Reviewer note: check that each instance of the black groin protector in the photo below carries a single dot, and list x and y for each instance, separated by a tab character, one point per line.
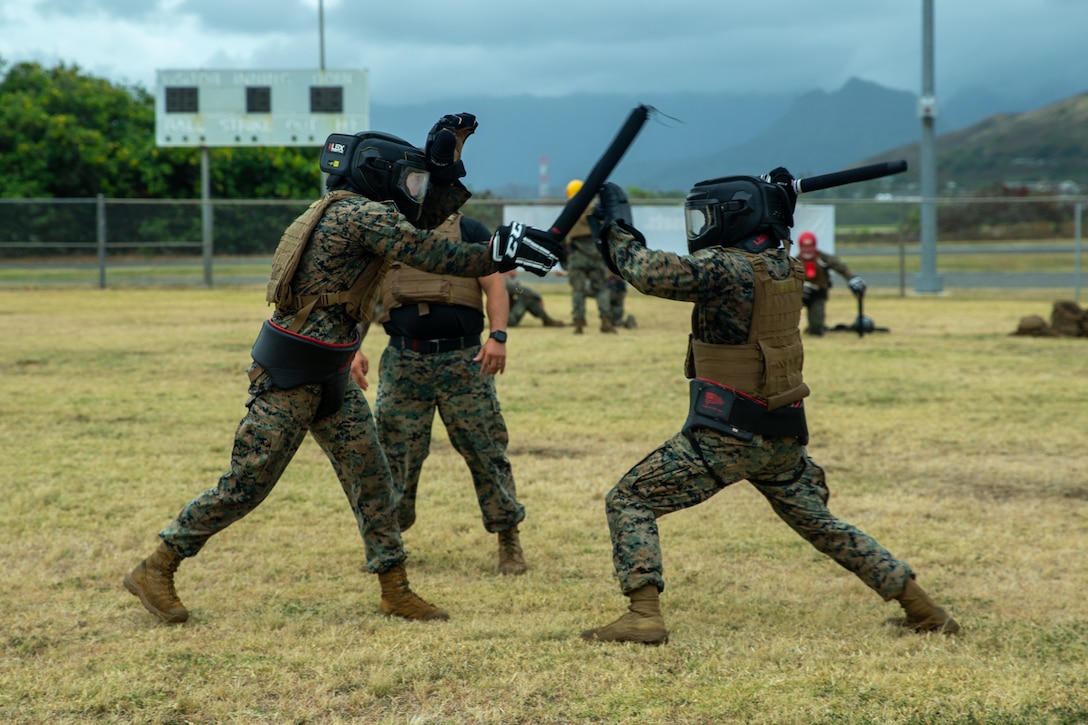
292	360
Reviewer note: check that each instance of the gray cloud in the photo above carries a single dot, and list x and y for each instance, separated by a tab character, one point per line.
417	50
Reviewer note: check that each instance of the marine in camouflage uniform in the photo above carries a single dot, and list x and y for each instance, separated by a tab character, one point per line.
818	265
324	282
617	295
746	292
434	361
526	300
586	272
586	275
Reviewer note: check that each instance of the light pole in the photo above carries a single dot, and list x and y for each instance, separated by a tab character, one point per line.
927	280
321	30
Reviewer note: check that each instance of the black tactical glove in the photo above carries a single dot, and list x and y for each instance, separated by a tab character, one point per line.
857	285
516	245
443	148
612	207
784	178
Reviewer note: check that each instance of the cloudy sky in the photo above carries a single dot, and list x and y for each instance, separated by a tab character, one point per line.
428	50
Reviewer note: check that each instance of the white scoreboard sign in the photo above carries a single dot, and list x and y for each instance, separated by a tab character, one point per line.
259	108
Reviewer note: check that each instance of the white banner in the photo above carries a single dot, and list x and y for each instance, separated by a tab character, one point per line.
663	226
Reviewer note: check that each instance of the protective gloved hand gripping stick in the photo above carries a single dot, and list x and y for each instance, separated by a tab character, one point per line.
537	251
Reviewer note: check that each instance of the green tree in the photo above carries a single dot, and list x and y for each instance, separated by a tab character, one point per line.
66	134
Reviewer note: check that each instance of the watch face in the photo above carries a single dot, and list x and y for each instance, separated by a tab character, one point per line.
498	335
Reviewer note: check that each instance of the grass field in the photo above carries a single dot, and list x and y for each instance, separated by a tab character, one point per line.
958	447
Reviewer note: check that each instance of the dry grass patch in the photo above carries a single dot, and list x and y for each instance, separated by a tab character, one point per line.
960	448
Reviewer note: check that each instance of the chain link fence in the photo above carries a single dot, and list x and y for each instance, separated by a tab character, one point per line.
112	242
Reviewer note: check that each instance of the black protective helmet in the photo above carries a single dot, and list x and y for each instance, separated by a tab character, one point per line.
380	166
726	211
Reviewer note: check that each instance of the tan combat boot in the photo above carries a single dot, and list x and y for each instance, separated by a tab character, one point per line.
400	601
552	322
922	614
579	327
643	622
511	560
153	582
606	325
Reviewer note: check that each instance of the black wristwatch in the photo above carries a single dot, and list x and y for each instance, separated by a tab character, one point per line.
498	336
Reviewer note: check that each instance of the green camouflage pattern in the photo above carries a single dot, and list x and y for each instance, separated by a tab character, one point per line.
351	234
617	300
677	475
411	386
354	232
265	442
523	300
587	275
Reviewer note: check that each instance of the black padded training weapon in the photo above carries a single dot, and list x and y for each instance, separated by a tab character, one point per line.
849	176
578	203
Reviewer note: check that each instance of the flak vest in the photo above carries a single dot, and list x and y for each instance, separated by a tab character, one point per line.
768	367
404	285
358	299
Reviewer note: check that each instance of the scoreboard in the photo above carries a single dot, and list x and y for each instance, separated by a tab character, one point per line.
259	107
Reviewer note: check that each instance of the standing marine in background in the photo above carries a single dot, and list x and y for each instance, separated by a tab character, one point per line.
383	196
746	419
586	272
434	361
617	300
818	281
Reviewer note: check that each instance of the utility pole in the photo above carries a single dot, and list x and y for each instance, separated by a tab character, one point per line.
321	30
927	280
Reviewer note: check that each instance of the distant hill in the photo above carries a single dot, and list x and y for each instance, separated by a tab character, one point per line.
820	132
504	156
1041	149
698	136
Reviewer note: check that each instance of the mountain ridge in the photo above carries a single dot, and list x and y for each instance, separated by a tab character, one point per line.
528	142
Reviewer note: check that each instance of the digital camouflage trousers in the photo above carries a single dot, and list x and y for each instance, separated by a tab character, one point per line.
588	281
676	476
411	386
267	438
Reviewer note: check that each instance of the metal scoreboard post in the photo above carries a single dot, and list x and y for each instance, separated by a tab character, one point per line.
211	108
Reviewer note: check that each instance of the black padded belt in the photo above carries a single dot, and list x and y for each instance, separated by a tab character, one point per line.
725	410
446	344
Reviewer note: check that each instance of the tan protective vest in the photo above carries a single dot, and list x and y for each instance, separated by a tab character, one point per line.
359	299
768	367
407	286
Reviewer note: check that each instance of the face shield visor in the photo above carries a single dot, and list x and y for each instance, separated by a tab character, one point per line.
699	218
411	181
703	219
